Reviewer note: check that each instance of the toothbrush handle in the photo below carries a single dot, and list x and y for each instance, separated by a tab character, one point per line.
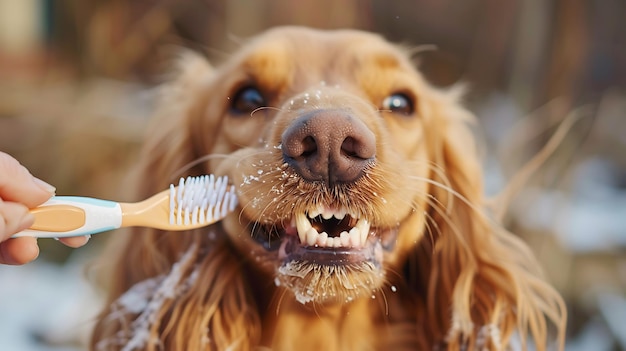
65	216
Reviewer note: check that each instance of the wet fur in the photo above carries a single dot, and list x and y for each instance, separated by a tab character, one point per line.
455	279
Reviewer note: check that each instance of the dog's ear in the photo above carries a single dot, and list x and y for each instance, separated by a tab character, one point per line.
166	152
169	148
217	302
481	282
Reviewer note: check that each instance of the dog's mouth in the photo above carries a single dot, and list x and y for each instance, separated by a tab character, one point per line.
327	254
327	236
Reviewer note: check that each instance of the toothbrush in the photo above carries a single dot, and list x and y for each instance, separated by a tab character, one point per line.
196	202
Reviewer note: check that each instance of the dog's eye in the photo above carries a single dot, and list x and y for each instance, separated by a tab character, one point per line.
247	99
398	103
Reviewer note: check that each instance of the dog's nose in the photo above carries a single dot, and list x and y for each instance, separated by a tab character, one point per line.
329	145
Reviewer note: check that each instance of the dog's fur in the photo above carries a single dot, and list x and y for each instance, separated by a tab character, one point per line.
436	274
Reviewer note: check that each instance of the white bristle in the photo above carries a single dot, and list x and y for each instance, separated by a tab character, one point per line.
202	211
202	199
186	217
172	203
194	215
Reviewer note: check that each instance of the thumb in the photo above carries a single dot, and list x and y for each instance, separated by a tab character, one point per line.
18	185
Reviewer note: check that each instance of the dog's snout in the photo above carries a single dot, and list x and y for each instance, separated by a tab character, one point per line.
329	145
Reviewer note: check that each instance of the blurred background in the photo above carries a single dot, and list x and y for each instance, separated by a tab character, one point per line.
76	91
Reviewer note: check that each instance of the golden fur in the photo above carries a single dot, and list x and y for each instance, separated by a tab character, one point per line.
454	280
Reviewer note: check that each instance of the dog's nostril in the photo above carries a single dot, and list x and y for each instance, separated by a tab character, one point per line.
309	146
329	145
349	148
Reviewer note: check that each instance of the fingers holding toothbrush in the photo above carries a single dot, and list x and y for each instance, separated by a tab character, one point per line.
19	191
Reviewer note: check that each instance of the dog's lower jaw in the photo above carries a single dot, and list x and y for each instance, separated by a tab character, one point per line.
329	283
327	275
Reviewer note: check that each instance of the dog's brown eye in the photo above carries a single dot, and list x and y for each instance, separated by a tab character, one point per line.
398	103
246	100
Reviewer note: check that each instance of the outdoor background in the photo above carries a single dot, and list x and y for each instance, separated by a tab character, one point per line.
76	83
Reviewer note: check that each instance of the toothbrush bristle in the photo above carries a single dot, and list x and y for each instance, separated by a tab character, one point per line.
202	199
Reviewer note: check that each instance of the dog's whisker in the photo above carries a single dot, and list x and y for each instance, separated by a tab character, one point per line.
474	207
429	229
437	169
182	170
454	229
381	292
450	191
280	301
315	309
265	108
253	156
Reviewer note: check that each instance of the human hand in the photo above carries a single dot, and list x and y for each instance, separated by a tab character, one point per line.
19	191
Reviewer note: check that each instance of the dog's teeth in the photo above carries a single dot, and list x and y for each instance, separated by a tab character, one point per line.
327	214
337	242
303	225
355	238
345	238
314	213
330	241
322	239
311	236
364	228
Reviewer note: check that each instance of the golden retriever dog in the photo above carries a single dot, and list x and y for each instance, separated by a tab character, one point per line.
361	223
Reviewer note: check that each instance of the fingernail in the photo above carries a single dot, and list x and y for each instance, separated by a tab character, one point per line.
45	186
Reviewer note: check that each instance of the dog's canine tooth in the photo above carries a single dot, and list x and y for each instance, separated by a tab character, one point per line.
364	228
303	225
356	239
311	236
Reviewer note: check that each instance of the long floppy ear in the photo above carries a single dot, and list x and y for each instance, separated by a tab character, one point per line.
166	152
482	284
176	290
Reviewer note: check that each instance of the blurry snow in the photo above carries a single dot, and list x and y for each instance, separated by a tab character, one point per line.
46	307
613	310
589	215
591	218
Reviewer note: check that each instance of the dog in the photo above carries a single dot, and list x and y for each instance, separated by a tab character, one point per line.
361	222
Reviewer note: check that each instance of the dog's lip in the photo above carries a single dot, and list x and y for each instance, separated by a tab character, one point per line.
292	250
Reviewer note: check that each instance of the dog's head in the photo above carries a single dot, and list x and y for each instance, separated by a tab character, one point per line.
330	141
353	174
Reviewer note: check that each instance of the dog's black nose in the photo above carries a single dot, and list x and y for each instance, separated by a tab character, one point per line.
329	145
